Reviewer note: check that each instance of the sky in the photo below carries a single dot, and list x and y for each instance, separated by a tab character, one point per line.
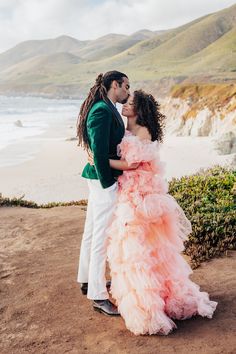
22	20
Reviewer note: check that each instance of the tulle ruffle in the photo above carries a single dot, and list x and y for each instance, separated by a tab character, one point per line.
150	278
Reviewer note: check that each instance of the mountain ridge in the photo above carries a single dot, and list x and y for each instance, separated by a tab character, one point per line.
183	54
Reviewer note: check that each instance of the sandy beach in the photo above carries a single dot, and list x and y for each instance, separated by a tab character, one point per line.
53	174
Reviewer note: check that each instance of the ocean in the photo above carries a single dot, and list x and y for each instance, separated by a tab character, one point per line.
25	121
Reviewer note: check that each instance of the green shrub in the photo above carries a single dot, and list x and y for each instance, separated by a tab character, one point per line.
208	199
11	202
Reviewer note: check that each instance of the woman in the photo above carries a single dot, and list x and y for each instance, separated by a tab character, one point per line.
150	278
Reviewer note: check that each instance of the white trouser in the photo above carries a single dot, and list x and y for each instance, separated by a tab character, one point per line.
93	253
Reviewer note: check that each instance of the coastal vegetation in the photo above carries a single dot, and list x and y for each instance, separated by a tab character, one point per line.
209	201
21	202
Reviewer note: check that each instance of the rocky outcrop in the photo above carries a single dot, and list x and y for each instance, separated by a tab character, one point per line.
18	123
226	143
182	120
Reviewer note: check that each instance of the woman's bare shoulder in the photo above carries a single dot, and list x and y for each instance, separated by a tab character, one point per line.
143	134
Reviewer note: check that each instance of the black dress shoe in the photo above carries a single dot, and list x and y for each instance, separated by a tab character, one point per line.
108	285
84	287
106	307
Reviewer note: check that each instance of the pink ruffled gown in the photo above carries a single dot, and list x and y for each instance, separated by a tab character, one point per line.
150	278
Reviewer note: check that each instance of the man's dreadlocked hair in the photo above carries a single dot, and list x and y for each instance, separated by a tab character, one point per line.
96	93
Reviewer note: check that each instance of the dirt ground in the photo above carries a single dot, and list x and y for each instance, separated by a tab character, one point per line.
43	311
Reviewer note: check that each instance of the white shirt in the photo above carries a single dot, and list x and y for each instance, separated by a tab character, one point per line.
112	102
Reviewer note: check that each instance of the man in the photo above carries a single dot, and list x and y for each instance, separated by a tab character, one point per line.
100	130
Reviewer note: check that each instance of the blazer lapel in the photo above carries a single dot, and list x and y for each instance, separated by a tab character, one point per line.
115	112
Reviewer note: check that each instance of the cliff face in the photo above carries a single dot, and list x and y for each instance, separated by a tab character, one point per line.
204	123
201	110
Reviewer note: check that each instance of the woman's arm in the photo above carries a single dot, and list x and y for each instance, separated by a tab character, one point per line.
116	164
122	165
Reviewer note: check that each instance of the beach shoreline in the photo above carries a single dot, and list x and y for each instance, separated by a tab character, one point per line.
46	166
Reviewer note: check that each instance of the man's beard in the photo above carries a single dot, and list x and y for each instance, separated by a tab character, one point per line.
124	100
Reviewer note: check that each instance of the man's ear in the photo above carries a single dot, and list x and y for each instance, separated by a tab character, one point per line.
114	84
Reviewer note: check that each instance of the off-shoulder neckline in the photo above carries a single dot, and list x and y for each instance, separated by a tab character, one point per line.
129	134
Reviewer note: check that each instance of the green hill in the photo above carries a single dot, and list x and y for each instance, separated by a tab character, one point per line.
112	44
202	50
145	47
219	57
196	37
173	48
34	48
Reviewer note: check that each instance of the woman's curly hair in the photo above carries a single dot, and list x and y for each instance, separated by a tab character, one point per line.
148	114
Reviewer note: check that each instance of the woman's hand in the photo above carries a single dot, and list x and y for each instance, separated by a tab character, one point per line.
134	165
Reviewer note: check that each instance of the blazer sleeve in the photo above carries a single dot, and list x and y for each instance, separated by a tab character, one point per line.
99	127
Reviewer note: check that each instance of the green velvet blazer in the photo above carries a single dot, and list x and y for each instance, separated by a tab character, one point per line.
105	130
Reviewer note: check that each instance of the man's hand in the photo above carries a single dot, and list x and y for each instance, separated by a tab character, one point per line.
90	158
